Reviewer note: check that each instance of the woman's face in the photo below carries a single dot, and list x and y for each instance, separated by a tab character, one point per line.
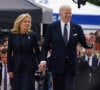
25	24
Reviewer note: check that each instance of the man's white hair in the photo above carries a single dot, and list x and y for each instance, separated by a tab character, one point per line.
64	6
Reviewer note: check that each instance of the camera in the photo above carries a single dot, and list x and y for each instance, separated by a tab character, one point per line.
39	75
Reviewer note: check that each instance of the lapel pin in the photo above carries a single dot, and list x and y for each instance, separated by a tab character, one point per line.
28	37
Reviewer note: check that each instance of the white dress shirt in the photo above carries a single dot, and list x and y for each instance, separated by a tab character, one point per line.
90	63
67	26
90	59
8	80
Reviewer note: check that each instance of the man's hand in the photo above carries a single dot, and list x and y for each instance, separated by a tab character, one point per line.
42	66
90	39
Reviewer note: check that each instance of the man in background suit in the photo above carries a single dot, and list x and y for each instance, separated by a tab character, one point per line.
3	65
88	67
97	43
63	61
97	47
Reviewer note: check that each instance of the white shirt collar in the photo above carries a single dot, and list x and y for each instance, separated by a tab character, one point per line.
8	79
62	27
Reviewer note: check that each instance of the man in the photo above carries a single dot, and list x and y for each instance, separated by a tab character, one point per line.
97	43
4	83
62	38
97	33
88	67
97	47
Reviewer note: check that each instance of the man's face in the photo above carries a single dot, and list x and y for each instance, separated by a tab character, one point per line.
97	46
4	58
88	52
66	14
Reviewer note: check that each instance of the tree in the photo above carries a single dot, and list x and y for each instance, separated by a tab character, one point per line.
96	2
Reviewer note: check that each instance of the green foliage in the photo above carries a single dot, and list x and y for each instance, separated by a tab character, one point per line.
96	2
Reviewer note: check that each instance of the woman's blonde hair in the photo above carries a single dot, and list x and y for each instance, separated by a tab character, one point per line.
16	27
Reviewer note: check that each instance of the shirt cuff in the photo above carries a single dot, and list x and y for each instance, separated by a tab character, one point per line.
43	62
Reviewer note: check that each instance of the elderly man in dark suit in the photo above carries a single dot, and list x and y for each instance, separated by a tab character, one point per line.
62	38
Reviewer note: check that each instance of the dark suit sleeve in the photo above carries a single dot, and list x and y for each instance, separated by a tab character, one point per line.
9	54
82	38
46	44
36	47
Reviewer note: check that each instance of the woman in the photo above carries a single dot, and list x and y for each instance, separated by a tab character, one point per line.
22	53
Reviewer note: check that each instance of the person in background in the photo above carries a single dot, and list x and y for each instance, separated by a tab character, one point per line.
92	35
97	47
3	66
79	50
5	43
62	38
88	67
97	33
1	47
23	53
97	43
97	52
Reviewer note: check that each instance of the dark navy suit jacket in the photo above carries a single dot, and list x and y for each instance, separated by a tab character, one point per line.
22	52
60	52
94	62
0	72
87	82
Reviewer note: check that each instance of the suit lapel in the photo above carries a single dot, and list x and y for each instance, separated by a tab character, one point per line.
71	31
94	61
59	29
59	32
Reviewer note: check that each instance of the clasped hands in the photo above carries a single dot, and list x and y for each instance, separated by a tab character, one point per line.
42	66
